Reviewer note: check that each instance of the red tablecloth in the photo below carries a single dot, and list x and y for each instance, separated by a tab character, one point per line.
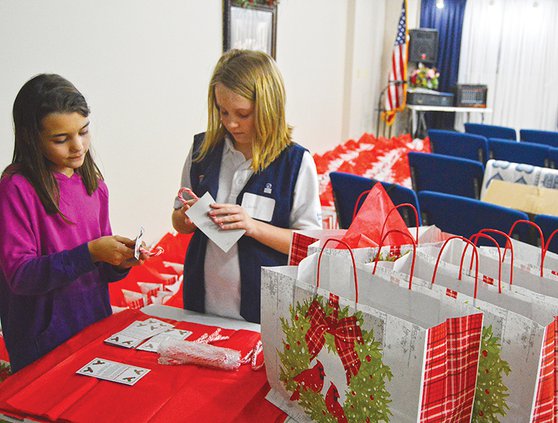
50	390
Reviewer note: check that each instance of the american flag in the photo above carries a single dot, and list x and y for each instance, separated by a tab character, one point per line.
397	86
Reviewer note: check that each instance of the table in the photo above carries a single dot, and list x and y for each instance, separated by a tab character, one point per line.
417	114
49	389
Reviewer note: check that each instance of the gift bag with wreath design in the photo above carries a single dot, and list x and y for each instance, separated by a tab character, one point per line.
345	348
517	367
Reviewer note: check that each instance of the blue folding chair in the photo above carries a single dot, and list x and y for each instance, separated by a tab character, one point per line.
548	224
491	131
518	152
467	216
458	144
347	189
549	138
552	158
451	175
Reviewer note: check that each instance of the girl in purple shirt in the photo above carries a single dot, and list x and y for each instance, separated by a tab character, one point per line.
57	251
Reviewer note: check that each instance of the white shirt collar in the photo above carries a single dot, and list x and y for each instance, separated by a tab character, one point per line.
230	150
229	145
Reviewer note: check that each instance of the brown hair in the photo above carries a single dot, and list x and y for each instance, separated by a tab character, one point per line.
40	96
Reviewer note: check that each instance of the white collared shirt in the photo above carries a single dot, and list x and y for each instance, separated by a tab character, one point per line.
222	270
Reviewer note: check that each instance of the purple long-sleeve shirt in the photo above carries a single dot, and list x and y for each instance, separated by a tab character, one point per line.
49	287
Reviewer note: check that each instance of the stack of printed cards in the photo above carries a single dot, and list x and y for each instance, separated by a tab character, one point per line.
153	330
137	332
113	371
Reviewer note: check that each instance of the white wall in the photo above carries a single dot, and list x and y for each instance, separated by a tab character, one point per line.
144	68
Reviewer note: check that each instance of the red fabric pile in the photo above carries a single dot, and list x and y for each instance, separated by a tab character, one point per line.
380	158
158	281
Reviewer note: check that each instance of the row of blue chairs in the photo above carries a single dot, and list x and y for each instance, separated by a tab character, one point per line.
549	138
451	213
479	148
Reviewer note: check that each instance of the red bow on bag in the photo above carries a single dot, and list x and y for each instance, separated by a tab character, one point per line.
345	332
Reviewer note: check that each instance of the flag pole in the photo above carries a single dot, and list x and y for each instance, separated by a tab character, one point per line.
396	90
380	109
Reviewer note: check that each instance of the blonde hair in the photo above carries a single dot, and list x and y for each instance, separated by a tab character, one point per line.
253	75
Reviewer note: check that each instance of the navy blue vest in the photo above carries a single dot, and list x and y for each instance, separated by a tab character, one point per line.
282	175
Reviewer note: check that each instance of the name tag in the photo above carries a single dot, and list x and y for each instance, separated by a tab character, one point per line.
258	207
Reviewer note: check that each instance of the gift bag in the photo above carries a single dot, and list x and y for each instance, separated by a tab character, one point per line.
535	259
518	336
302	239
528	281
342	347
520	264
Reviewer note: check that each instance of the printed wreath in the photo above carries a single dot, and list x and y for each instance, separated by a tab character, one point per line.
491	393
367	399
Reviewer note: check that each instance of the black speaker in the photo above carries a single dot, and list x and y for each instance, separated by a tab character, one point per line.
424	45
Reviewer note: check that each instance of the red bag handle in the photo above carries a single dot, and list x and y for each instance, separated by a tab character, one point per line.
475	253
352	259
538	228
413	243
546	249
475	239
508	240
397	207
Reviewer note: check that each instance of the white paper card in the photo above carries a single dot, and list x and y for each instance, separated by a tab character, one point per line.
152	345
198	214
113	371
137	332
258	207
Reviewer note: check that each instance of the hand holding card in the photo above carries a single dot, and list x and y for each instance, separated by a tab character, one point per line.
139	241
140	249
199	215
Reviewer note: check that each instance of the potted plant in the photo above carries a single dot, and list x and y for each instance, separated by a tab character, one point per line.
424	77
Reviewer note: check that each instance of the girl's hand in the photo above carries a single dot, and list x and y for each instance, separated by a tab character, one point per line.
180	221
232	216
144	255
185	208
126	264
113	249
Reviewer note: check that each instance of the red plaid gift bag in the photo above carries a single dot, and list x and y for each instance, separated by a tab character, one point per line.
517	367
450	379
344	345
302	239
299	247
546	404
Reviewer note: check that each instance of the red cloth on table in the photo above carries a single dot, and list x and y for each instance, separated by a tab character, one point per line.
49	389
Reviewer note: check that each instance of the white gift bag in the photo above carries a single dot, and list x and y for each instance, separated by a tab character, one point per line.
522	341
373	353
